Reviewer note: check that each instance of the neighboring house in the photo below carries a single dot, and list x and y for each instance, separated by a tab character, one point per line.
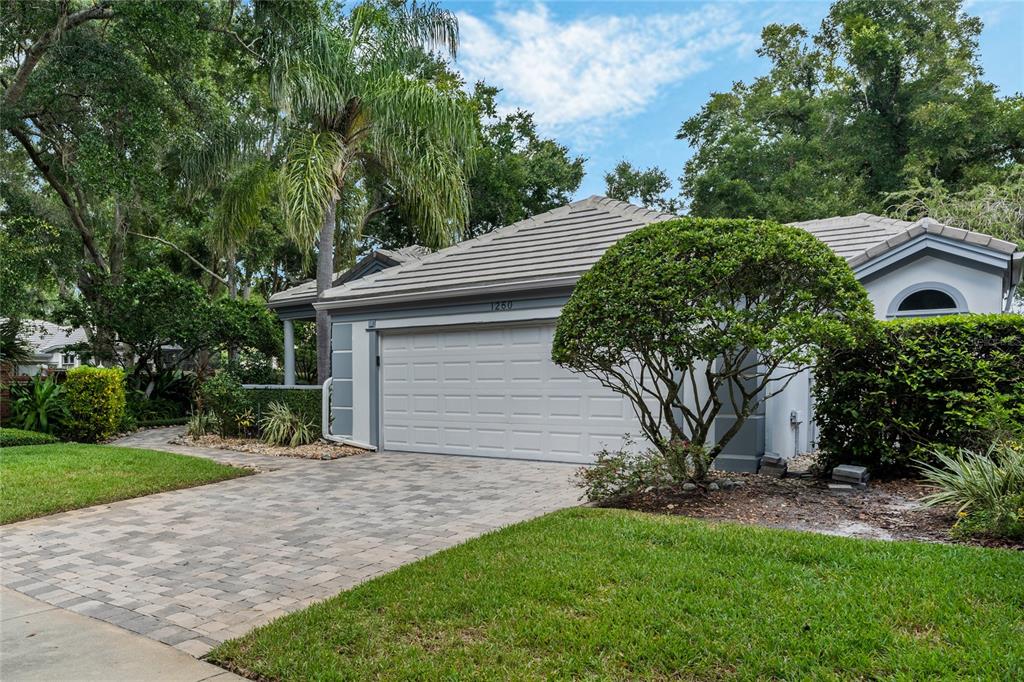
451	352
49	343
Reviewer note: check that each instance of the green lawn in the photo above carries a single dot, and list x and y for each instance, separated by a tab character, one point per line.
43	479
605	594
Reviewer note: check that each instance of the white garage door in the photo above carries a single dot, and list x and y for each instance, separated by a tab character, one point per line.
494	391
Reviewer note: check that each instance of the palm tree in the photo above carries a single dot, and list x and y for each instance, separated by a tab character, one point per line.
358	108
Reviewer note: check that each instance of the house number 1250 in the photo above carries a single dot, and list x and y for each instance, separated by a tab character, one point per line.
501	305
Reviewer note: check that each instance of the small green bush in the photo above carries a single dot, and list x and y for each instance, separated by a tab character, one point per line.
10	438
96	403
910	386
224	396
987	489
282	426
40	405
621	473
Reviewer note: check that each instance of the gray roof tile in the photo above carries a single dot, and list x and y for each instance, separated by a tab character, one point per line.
548	250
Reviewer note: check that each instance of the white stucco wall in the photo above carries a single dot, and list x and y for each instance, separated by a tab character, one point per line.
782	436
981	288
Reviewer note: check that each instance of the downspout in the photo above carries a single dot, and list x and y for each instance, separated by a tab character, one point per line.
1016	268
325	421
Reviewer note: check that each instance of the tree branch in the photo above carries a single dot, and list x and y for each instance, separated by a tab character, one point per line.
183	252
35	52
65	197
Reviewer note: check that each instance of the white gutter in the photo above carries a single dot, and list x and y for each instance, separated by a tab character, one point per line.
325	421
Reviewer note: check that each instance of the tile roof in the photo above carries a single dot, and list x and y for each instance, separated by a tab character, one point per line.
849	236
306	292
554	249
546	251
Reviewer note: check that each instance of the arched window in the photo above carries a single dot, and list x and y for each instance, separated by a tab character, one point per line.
927	298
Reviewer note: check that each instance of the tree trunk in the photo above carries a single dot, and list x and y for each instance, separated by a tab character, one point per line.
324	279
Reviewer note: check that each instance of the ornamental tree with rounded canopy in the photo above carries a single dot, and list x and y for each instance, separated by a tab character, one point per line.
718	311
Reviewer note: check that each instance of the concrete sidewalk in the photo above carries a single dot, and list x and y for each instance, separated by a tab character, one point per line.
43	642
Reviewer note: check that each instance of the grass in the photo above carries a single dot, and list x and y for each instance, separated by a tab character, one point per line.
44	479
608	594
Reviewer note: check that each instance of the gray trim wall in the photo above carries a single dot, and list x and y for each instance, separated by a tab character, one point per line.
744	451
341	379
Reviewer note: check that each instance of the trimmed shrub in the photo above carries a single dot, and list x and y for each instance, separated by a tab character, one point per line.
301	401
910	387
725	303
10	438
96	403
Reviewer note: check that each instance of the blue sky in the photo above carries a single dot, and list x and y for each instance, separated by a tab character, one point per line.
613	80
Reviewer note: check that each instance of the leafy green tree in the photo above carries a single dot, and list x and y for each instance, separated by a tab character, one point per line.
518	173
161	320
645	186
95	94
888	91
990	208
685	316
357	110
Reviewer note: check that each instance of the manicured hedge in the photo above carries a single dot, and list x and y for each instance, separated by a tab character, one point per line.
96	402
913	385
302	400
10	438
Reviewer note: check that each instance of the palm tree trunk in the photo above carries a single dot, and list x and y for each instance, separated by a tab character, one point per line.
324	279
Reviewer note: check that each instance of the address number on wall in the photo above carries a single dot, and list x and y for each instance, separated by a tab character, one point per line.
497	306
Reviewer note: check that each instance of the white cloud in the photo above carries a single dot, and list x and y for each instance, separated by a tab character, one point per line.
580	75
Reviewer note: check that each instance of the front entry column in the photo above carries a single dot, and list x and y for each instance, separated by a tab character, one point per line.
289	353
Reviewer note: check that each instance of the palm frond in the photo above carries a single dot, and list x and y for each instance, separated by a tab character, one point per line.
244	196
313	170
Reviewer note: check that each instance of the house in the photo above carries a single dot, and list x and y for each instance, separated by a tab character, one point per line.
450	352
50	345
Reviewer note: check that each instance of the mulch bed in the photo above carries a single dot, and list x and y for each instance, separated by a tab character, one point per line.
320	449
887	510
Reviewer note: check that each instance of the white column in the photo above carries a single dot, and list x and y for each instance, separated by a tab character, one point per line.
289	353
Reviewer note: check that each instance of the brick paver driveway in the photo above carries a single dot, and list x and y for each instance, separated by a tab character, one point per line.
194	567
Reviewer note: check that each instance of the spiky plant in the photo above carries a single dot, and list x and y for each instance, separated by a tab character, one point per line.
988	487
282	426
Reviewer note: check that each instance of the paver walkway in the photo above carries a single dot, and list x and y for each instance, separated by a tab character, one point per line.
195	567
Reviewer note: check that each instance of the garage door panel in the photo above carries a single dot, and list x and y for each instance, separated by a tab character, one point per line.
493	391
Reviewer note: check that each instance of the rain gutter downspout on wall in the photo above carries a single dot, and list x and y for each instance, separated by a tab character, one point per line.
325	421
1016	270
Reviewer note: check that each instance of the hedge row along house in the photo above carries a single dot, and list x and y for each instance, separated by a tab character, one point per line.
450	352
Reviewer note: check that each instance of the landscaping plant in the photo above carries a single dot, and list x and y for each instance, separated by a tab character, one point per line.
202	423
96	403
39	405
725	311
282	426
10	438
622	473
897	394
988	489
224	396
